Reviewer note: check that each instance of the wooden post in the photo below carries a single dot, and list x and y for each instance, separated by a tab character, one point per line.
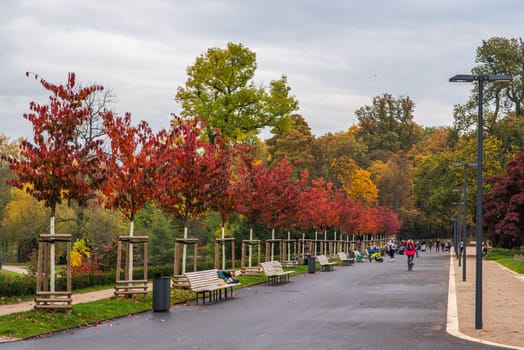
179	279
129	286
47	297
220	251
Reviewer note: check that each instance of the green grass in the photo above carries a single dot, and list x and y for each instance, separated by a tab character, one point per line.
505	258
512	264
36	322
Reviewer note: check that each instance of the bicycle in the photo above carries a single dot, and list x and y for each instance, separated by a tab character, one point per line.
410	262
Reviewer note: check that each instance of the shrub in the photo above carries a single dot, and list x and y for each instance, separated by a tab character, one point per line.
16	285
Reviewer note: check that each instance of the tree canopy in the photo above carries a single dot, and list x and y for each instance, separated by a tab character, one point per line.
504	205
220	89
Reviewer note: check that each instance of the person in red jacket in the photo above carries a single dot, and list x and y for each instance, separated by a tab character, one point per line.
410	251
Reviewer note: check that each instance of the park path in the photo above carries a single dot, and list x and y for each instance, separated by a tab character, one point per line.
373	303
364	306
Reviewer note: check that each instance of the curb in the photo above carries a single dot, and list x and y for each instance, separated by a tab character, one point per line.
452	324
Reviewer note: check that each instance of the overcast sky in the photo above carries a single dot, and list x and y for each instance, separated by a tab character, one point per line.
336	54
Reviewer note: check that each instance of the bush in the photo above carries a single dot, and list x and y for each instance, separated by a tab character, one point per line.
11	286
86	280
26	285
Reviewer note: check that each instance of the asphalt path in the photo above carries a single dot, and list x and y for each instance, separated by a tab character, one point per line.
364	306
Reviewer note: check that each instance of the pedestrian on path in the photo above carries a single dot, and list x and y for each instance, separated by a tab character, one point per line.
392	247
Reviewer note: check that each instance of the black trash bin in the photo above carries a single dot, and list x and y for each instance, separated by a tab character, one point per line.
161	293
311	264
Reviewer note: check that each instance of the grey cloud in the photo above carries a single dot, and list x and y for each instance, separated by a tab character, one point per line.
337	54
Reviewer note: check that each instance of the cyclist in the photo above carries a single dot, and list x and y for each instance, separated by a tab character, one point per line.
410	252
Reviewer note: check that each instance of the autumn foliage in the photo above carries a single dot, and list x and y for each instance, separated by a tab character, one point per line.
56	166
131	166
504	206
181	170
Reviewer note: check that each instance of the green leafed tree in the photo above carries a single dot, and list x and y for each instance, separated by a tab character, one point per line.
220	88
296	145
496	55
433	181
387	125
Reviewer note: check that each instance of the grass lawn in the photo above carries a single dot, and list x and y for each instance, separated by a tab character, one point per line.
512	264
37	322
505	257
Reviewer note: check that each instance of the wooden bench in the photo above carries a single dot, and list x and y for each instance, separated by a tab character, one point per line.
275	273
345	259
325	264
207	282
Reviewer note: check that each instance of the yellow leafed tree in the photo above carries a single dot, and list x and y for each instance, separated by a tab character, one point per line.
355	180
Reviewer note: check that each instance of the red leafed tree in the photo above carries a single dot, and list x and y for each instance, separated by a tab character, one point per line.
321	208
269	195
130	167
190	171
226	186
386	221
252	205
346	207
504	206
55	167
226	181
273	194
364	219
284	196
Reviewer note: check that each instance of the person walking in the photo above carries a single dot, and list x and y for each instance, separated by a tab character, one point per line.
392	247
410	253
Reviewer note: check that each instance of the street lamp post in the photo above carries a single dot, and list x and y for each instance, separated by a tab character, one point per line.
465	234
458	233
478	273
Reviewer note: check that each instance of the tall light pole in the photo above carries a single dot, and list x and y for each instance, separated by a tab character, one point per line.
465	235
459	231
468	78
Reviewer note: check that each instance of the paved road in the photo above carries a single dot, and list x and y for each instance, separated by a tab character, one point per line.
365	306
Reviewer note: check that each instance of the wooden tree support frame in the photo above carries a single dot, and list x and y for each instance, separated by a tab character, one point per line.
179	279
305	247
289	250
331	253
219	242
324	247
248	269
45	298
129	287
271	243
